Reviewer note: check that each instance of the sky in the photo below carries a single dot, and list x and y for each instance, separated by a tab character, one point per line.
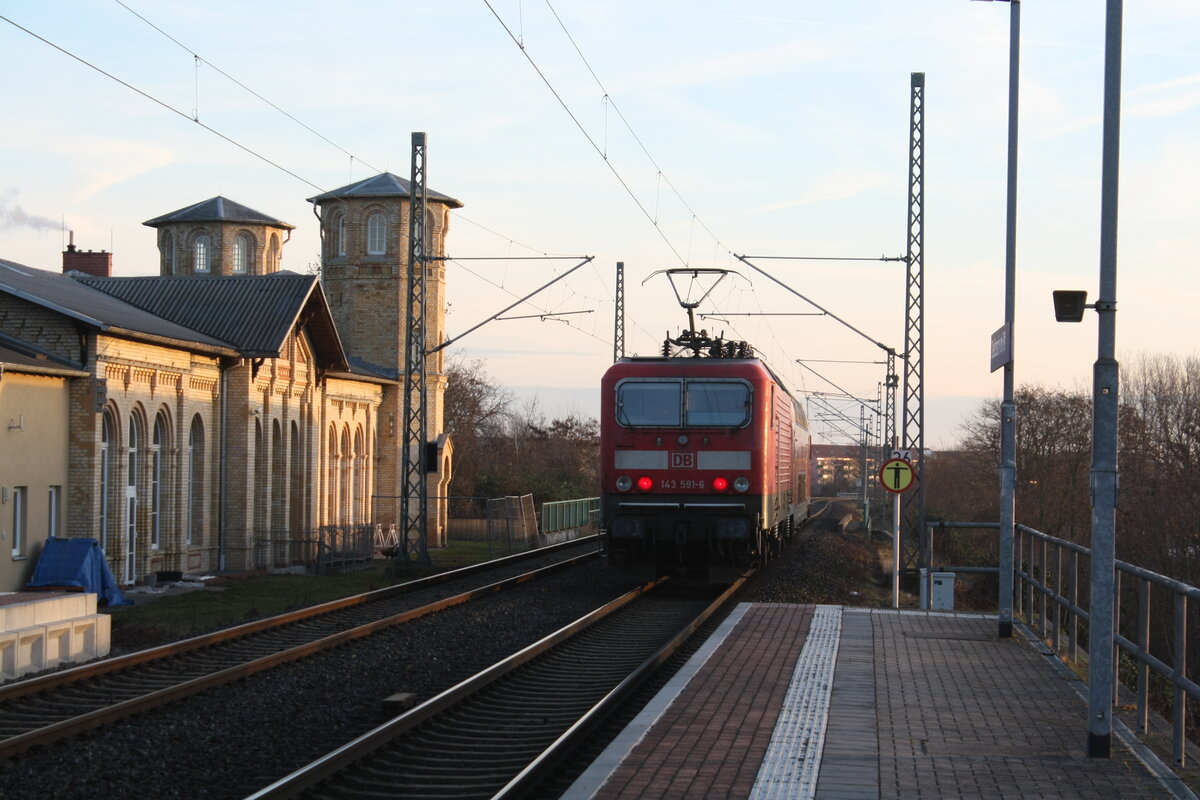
663	135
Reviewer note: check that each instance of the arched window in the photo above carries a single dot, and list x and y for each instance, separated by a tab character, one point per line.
273	254
376	235
168	253
429	235
337	235
107	435
241	254
260	478
333	490
158	470
203	254
195	522
133	454
278	476
296	488
345	504
360	479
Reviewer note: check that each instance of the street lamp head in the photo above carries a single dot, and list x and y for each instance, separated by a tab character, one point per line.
1069	305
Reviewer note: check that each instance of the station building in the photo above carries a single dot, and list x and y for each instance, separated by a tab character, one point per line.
226	414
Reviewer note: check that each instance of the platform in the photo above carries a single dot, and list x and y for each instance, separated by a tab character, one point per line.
794	701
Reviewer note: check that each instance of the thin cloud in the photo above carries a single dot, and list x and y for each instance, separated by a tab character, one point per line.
836	187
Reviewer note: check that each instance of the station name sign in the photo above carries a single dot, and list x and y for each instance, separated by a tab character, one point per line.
1001	347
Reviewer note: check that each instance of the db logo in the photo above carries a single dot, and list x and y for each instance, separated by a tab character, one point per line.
683	460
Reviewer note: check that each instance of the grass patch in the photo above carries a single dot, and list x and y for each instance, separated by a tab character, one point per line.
232	600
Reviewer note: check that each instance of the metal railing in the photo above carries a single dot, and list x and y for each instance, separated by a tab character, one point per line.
564	515
1049	573
1042	576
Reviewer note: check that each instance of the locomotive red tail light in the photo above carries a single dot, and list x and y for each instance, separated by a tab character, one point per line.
645	483
720	484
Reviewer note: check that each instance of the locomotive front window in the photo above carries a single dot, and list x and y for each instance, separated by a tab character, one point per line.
649	403
717	404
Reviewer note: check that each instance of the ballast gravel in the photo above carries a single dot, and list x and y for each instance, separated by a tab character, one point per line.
231	741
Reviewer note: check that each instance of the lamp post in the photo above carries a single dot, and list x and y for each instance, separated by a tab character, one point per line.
1069	307
1105	375
1003	341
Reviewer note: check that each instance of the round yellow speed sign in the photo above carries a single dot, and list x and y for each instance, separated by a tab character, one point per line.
897	475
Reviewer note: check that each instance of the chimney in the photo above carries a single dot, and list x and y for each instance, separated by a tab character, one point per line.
95	263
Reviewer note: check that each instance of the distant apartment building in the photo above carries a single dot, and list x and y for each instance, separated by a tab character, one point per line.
835	467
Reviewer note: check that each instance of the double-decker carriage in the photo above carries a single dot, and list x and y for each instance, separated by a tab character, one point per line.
704	462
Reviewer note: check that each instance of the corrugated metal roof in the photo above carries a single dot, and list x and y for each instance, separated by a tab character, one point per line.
384	184
75	299
218	209
253	313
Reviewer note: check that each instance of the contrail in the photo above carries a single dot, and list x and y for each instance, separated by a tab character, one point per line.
13	216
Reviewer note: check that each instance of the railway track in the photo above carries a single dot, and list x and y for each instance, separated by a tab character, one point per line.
499	733
45	709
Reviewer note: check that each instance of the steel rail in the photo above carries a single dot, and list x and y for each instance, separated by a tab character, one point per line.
345	756
544	764
64	677
102	716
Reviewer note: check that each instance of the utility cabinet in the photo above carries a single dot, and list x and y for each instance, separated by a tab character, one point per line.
943	590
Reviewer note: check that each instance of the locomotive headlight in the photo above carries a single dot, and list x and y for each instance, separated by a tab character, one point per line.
645	483
741	483
624	483
720	484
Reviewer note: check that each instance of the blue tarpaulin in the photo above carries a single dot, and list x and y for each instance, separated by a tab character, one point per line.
77	562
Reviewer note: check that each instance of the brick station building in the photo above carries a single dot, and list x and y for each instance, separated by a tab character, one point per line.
221	413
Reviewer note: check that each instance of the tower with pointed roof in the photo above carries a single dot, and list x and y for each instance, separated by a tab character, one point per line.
365	271
219	237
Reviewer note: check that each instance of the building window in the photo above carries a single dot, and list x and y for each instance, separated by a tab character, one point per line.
241	254
105	437
274	254
131	500
168	253
376	235
18	521
346	484
297	482
195	488
156	481
203	262
337	235
53	512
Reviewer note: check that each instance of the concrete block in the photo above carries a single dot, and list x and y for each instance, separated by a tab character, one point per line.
103	635
91	636
58	645
8	655
51	609
58	607
31	649
17	616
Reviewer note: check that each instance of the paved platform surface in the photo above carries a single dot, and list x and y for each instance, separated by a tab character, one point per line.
793	701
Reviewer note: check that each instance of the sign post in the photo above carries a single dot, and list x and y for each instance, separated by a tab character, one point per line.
897	476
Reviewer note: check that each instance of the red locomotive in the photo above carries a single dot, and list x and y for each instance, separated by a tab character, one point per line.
703	462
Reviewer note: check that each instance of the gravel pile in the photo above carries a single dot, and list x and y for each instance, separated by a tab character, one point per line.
229	742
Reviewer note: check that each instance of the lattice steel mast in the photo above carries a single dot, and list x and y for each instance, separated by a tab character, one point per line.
914	327
416	489
619	324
